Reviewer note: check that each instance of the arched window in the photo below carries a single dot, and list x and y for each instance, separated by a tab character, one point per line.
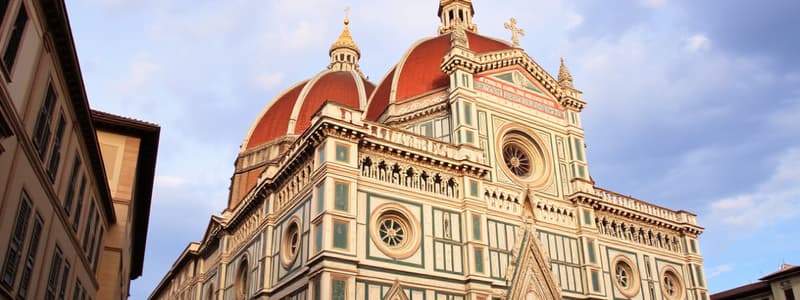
241	283
210	292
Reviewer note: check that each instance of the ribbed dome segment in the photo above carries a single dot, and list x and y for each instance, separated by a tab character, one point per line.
419	72
274	121
300	102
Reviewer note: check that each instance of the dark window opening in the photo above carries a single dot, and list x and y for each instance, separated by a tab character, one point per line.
55	270
41	133
15	245
16	37
55	153
5	129
30	259
73	180
3	8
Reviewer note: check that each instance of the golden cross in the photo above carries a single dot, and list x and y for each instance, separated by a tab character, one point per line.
516	32
347	11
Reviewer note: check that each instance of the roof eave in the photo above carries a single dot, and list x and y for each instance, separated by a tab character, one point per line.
57	24
144	179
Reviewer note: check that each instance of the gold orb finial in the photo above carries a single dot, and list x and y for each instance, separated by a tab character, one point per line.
345	40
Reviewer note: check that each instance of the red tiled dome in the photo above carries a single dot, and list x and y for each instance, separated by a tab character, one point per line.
418	72
301	101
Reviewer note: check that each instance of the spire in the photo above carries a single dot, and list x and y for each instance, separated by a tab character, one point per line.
344	51
564	77
452	12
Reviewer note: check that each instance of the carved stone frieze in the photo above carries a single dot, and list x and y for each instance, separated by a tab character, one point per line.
502	199
555	213
410	176
635	232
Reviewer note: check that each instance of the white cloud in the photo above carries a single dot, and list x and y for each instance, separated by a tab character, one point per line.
140	71
111	3
774	200
716	271
170	182
574	20
697	43
269	81
654	3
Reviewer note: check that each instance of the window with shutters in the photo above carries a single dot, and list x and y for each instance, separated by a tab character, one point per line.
55	152
5	129
41	132
76	220
55	272
78	293
10	54
16	242
97	249
88	227
30	259
62	291
71	186
93	235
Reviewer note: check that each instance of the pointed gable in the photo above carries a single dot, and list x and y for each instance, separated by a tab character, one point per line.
396	292
529	273
516	85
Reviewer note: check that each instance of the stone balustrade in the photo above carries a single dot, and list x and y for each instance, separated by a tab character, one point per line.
644	207
423	144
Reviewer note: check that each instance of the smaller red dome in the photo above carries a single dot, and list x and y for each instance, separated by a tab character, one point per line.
419	72
301	101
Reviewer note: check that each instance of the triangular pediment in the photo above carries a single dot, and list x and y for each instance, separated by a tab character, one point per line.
396	292
515	86
516	78
529	273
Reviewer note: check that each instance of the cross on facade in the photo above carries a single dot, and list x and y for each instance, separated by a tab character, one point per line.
516	32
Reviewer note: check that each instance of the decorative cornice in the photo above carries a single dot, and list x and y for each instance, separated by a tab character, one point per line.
488	61
635	209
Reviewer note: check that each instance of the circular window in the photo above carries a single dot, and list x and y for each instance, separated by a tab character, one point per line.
395	231
671	284
392	230
523	158
291	243
517	159
626	279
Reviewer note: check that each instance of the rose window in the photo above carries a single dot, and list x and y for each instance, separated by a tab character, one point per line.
671	284
626	279
521	155
392	231
517	159
291	243
622	277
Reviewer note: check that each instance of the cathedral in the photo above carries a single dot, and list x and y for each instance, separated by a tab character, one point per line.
460	175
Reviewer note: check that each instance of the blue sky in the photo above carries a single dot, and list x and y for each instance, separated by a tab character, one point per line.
692	105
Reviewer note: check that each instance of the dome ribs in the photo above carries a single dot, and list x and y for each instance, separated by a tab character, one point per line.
336	86
275	121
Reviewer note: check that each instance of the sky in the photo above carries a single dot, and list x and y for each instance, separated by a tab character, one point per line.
691	105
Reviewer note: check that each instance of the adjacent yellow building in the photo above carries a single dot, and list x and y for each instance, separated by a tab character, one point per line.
75	184
462	174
